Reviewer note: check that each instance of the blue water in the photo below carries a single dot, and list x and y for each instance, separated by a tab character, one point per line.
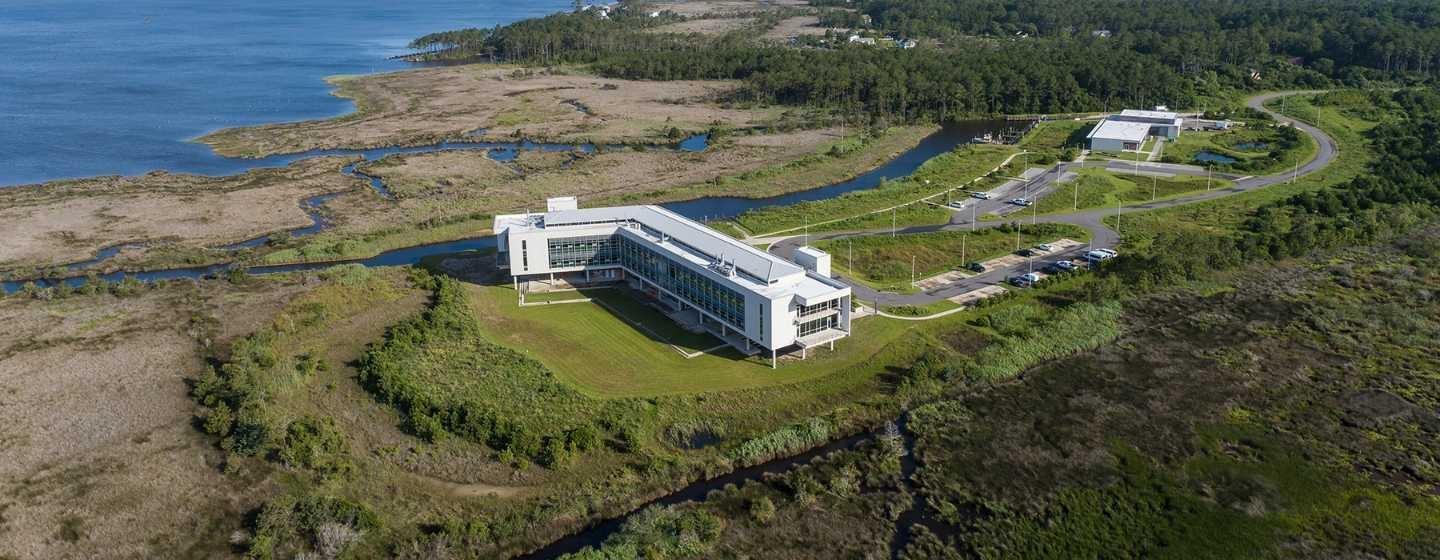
99	87
1212	157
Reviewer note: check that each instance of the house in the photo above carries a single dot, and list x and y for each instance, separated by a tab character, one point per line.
1100	33
700	277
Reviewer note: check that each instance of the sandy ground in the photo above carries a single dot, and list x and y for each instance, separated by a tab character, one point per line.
465	180
99	455
423	106
794	27
70	221
691	8
707	26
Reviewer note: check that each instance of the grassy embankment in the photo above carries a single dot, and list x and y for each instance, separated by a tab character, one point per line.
884	262
1346	116
832	162
1054	138
863	209
1099	188
1259	147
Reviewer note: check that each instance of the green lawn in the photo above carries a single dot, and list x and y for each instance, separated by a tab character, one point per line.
1259	148
1054	136
1098	188
883	262
952	169
588	346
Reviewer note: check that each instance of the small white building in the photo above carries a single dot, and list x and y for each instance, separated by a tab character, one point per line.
1129	129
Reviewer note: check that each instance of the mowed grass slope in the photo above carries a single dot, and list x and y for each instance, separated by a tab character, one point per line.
884	262
599	349
1098	188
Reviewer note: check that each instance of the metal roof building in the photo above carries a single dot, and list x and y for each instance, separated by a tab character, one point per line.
703	278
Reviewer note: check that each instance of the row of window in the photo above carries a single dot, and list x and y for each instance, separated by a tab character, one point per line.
696	289
822	306
566	252
812	327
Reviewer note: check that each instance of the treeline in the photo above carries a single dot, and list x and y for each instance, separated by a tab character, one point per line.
1401	191
1336	38
913	84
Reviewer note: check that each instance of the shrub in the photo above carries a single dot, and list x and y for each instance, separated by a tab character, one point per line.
316	444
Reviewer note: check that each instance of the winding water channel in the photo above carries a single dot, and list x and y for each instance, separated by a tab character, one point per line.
947	138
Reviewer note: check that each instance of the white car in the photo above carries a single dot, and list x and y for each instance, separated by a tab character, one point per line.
980	195
1020	201
1100	255
957	204
1064	266
1045	247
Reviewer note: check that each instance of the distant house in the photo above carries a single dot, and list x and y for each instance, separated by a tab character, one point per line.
1129	129
865	19
654	14
862	40
907	44
1100	33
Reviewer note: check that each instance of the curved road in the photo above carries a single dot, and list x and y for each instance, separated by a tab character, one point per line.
1091	220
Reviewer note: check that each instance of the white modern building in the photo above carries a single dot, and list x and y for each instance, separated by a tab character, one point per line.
1129	129
753	300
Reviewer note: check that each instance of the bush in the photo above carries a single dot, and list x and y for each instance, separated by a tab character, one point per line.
316	444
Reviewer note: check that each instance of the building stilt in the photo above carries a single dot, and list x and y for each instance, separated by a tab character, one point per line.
772	359
832	345
802	352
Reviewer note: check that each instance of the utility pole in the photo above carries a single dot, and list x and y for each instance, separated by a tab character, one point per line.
1154	182
892	221
972	215
912	270
1207	177
807	231
851	246
1076	205
962	248
1117	215
1296	176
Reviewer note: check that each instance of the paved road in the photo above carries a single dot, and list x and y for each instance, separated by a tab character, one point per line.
1091	220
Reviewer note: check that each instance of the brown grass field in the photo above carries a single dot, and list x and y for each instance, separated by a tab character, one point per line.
68	221
415	107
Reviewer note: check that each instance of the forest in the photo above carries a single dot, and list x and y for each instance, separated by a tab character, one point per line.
984	57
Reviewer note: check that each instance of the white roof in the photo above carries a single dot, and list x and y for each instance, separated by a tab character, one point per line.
1111	129
811	251
696	237
1157	115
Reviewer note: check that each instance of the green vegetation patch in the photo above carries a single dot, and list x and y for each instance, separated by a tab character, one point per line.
448	379
953	169
884	261
1099	188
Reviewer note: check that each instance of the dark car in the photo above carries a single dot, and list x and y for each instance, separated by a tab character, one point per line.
1026	252
975	267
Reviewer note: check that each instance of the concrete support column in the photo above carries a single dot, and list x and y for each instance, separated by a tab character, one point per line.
832	345
772	359
803	351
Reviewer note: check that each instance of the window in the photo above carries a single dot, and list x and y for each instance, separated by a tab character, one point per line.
692	286
524	256
583	251
819	307
812	327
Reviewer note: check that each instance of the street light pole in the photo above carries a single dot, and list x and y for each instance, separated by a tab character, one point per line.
1154	181
892	221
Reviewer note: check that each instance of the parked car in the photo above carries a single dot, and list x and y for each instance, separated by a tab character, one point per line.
1062	266
1026	252
982	195
1025	280
975	267
1046	247
957	204
1098	255
1020	201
